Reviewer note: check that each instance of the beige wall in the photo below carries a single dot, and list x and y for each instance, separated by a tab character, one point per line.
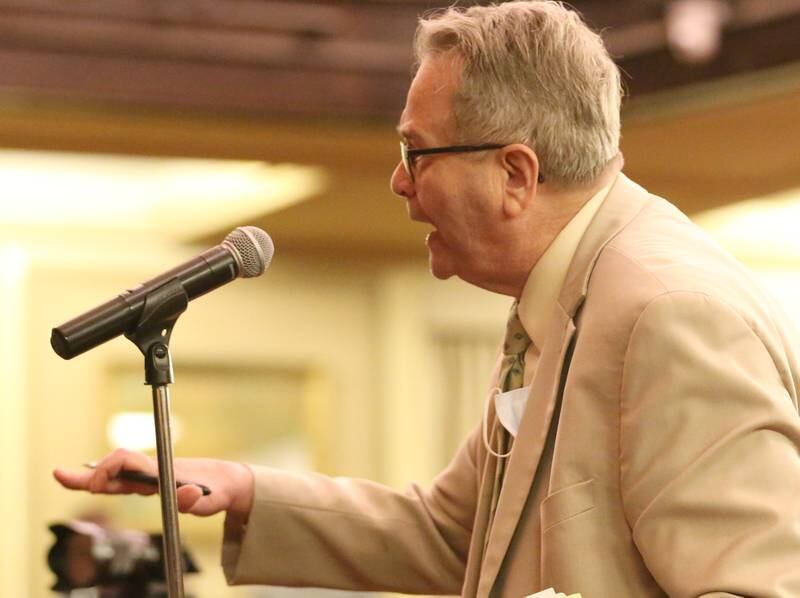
362	338
389	364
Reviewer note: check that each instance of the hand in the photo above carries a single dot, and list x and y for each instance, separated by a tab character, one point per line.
231	483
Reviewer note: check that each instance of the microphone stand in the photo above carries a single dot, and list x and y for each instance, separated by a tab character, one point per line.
161	310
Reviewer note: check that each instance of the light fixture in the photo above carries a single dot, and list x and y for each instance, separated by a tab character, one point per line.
177	197
762	230
694	28
135	431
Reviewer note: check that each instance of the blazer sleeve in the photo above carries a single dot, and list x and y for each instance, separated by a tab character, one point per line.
709	443
309	530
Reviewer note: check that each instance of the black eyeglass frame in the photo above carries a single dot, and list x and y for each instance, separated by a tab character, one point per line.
408	156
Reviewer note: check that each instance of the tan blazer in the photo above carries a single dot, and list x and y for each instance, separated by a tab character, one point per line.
658	454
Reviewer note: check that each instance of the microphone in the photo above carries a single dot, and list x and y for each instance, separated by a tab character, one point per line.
246	252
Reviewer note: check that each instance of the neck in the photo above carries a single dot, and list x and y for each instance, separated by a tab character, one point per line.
550	211
567	201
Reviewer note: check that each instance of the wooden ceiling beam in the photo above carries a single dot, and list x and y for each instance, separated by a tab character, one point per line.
320	58
135	39
285	16
213	88
748	13
768	45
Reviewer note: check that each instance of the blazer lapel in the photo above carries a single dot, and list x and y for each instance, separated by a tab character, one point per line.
524	459
624	201
481	524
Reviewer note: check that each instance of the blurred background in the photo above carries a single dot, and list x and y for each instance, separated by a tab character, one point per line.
135	134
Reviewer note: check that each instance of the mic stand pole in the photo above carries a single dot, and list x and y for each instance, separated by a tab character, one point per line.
162	307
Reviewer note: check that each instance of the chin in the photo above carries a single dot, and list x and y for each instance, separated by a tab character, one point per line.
442	275
441	267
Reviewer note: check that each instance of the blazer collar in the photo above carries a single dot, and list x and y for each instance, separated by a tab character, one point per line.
624	201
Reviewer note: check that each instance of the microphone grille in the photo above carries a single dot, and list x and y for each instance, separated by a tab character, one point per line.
253	249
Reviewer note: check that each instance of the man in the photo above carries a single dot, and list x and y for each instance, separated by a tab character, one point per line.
657	453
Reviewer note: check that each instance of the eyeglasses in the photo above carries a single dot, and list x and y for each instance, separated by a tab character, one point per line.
409	156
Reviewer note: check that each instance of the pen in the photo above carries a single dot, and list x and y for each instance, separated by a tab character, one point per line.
143	478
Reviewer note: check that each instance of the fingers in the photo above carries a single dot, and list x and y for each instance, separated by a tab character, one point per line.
96	483
120	459
103	479
188	498
74	480
222	477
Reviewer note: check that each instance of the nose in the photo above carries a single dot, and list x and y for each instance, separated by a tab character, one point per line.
400	182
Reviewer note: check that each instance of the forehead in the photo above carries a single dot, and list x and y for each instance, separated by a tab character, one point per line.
429	106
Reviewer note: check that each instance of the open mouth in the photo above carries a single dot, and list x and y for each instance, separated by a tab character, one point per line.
431	236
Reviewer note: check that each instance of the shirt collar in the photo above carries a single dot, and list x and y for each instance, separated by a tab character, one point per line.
547	277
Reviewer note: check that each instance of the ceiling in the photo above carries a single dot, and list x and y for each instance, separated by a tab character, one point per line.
321	83
330	58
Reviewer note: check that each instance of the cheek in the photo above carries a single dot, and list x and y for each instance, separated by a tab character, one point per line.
434	200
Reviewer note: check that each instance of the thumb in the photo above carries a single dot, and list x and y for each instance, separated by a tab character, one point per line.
187	497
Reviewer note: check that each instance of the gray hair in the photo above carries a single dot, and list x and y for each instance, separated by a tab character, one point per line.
533	73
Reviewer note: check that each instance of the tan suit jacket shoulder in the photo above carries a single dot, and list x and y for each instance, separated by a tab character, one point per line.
658	454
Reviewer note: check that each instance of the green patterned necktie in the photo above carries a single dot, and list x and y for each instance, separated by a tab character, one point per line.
515	345
512	373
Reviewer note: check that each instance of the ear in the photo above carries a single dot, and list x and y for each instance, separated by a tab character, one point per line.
521	166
